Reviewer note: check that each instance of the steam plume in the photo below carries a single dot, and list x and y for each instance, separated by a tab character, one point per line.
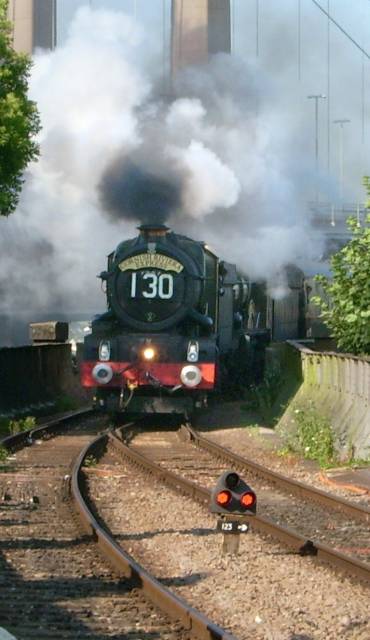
217	162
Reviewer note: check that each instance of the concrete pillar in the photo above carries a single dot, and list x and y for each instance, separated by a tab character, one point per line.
34	24
20	14
199	28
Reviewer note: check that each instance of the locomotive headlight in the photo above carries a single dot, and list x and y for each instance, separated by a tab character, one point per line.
190	375
102	373
148	353
104	351
193	351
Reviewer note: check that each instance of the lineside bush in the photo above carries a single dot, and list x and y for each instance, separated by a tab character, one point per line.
347	314
310	435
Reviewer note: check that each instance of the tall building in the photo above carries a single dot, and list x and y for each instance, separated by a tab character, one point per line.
199	28
34	24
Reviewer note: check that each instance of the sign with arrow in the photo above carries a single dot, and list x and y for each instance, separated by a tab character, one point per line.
232	526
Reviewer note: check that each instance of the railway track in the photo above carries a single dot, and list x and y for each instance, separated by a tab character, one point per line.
309	521
54	582
75	594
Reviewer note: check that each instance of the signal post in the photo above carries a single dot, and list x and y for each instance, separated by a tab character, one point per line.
234	501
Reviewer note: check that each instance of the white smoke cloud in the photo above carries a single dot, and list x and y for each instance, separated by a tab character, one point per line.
208	183
87	92
241	176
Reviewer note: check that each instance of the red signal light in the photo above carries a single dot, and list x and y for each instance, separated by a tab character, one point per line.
248	499
223	498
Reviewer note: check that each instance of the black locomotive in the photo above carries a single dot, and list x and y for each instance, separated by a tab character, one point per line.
175	326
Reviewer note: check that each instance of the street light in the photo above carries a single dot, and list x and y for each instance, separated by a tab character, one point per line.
341	122
317	97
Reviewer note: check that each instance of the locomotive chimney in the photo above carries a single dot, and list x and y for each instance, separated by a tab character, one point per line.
153	230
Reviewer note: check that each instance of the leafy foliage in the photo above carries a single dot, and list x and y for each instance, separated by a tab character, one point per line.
267	391
19	120
347	314
23	424
3	453
310	434
90	461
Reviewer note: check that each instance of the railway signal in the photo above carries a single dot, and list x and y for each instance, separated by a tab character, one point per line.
232	494
232	499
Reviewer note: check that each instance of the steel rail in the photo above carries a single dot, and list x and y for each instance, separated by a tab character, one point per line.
299	544
23	438
287	484
198	624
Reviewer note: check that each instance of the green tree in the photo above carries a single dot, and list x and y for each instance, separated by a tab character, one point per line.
19	120
347	314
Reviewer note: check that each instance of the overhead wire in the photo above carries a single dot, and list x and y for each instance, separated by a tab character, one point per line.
164	45
363	97
328	88
233	26
341	29
299	45
364	55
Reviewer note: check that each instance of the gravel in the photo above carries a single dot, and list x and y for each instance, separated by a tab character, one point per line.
262	446
265	592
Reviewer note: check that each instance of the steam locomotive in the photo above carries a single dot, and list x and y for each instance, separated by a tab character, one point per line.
174	330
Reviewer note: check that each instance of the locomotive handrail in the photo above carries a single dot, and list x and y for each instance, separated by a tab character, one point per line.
204	320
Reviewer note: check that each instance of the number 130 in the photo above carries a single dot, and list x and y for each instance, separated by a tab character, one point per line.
161	286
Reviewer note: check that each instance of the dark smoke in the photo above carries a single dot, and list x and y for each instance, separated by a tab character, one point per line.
131	192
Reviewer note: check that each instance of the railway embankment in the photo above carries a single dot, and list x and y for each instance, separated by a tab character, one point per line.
337	387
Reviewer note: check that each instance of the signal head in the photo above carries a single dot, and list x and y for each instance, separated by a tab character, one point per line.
232	495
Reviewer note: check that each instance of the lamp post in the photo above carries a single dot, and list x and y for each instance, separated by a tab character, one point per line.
341	122
317	97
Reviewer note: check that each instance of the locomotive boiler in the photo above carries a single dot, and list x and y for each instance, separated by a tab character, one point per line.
174	330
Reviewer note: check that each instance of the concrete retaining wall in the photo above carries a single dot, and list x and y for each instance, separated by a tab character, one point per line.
33	374
338	386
